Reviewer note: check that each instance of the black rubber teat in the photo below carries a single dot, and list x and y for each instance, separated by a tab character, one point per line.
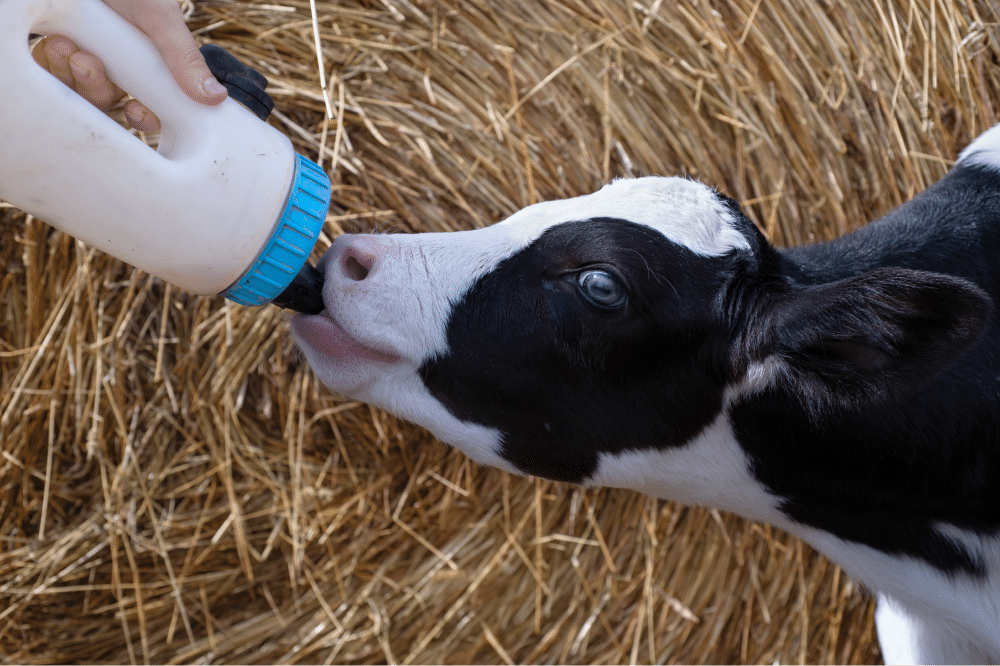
305	293
245	84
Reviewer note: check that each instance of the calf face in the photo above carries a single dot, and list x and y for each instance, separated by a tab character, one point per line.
574	328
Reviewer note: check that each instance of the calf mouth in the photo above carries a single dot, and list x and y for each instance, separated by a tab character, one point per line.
327	337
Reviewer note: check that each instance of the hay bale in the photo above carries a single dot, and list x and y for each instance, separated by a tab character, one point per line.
175	486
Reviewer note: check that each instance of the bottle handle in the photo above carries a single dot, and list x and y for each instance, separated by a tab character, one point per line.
133	63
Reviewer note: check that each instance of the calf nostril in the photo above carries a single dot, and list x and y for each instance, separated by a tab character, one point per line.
357	265
354	269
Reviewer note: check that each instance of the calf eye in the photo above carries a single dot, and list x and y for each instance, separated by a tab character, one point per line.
601	288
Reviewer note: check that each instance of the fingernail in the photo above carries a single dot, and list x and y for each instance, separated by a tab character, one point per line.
136	114
212	87
80	71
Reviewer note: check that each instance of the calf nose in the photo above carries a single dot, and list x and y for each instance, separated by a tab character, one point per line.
359	258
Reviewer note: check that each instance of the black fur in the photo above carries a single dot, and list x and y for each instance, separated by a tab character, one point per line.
908	434
564	380
882	418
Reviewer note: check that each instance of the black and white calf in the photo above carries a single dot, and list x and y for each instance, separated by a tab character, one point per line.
647	336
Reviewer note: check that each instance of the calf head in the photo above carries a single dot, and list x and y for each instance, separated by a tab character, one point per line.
620	321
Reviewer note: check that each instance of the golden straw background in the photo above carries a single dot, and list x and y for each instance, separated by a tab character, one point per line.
176	486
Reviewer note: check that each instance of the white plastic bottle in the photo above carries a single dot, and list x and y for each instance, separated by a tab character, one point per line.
225	205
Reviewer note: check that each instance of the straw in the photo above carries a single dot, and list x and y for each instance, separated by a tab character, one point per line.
177	487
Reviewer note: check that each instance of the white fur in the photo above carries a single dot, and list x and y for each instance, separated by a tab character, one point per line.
686	212
400	390
415	404
711	470
985	150
925	616
908	639
401	308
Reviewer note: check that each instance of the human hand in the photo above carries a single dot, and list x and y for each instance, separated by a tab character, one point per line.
163	22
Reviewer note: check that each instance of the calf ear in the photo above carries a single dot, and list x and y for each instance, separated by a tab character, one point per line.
875	337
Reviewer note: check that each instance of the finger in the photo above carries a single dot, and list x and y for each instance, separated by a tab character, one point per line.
38	53
53	54
163	22
140	117
185	61
92	81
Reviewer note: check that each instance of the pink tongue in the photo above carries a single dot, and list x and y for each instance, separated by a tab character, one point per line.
328	338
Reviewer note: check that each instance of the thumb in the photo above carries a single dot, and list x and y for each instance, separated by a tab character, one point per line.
190	70
163	22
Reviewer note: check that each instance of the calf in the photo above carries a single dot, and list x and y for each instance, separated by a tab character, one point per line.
647	336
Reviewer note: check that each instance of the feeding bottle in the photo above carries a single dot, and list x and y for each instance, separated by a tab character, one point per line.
224	205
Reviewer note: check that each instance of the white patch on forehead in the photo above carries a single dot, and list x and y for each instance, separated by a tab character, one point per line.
985	150
684	211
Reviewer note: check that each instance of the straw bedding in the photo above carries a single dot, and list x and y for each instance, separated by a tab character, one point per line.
175	486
